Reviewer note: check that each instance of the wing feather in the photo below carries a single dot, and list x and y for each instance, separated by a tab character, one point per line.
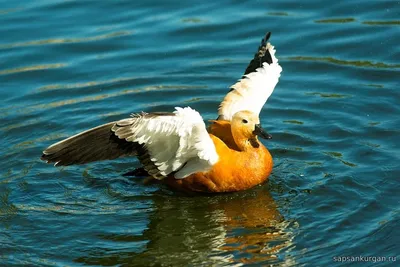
96	144
177	144
165	143
253	90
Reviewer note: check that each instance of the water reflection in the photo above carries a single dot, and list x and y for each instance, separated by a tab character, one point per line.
255	228
7	209
238	228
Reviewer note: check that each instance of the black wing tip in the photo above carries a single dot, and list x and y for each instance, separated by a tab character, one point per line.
47	159
266	39
44	157
262	55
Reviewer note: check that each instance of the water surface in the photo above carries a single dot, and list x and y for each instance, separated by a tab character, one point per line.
66	66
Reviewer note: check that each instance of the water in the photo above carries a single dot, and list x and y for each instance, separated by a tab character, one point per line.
66	66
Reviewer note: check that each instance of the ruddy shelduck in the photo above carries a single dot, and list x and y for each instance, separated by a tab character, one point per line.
178	149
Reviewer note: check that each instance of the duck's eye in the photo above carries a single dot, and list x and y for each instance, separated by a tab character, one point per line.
244	121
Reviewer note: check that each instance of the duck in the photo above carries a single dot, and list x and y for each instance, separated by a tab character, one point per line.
178	149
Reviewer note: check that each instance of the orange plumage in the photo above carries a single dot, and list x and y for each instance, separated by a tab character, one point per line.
242	164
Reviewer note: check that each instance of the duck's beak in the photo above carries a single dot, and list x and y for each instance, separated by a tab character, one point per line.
258	130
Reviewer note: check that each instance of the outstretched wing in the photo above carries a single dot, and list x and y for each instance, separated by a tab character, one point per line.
178	143
257	84
96	144
165	143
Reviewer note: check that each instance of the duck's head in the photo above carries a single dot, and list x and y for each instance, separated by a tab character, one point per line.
246	125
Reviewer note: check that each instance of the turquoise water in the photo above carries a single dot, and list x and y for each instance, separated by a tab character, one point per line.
66	66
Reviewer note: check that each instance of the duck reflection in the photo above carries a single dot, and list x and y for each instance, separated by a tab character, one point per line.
255	228
243	227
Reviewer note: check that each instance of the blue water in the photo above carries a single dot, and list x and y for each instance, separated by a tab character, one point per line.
66	66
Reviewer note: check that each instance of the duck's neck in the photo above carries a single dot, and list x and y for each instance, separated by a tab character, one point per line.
244	143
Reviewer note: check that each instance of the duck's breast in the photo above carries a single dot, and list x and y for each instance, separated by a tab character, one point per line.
235	171
241	170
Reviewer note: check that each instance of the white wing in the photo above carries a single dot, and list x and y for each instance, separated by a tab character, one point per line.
173	142
253	90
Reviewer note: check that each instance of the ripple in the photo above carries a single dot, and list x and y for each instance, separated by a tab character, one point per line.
338	20
382	23
370	144
67	40
194	20
374	85
327	95
314	163
293	122
357	63
338	156
12	175
33	142
10	10
76	209
21	124
7	209
52	87
110	95
278	14
33	68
